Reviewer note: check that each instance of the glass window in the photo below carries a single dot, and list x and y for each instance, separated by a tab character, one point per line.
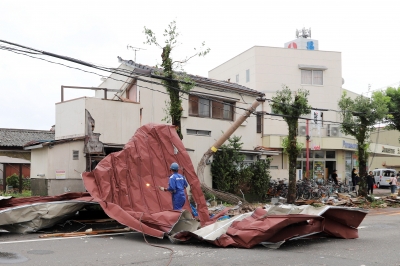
228	113
330	154
310	154
210	108
259	124
204	107
317	77
312	77
198	132
318	154
247	75
306	77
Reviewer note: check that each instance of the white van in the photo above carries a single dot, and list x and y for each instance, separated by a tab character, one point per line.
382	176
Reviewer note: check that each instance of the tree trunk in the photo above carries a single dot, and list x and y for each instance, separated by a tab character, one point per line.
292	154
362	162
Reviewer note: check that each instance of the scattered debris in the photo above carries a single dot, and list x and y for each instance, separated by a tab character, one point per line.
87	232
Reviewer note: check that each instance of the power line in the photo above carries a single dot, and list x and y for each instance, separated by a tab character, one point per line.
152	82
127	74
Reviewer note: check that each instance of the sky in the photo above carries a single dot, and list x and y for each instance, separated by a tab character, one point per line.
365	32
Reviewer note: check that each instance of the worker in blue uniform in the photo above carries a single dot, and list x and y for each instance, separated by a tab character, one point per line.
177	186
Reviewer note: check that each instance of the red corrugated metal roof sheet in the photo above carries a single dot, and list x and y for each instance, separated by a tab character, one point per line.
125	183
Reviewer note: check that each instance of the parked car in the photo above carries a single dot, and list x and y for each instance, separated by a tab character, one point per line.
382	176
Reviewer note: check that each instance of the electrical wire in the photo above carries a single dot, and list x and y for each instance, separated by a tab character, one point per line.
124	73
118	71
154	245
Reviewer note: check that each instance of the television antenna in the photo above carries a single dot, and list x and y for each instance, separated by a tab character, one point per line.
135	49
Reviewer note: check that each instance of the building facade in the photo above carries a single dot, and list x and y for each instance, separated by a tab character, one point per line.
87	129
301	65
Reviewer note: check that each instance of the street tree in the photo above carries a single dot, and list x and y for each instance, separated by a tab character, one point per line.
174	79
393	119
359	117
291	106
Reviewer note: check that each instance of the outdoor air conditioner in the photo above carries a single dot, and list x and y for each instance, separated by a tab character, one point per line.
302	131
333	131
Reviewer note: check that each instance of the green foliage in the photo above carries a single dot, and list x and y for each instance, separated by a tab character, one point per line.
291	106
227	166
175	82
230	174
393	105
285	145
13	180
359	117
259	183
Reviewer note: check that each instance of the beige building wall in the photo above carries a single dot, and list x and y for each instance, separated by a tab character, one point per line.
117	121
272	67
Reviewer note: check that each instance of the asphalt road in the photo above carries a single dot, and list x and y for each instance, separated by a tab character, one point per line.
378	244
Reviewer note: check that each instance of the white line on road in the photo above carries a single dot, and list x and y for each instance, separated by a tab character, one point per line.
58	238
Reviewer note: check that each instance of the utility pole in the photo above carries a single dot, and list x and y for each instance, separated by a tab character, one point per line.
135	49
307	149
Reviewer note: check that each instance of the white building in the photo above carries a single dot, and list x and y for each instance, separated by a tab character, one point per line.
299	65
124	102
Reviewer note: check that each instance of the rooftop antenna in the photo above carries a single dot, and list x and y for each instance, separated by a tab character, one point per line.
303	33
134	49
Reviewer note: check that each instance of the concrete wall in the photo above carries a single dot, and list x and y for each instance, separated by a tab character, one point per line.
116	121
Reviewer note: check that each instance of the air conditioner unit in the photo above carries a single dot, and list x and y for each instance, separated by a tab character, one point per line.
302	131
333	131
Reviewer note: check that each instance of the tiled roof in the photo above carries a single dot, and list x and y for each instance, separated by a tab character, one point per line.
206	82
19	137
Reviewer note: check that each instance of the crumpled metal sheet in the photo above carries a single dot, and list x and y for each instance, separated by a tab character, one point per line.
30	214
275	225
125	183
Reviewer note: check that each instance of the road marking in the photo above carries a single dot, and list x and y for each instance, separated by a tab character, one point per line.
58	238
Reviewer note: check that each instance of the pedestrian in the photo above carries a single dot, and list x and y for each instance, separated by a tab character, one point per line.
356	182
334	176
393	184
370	182
353	179
177	185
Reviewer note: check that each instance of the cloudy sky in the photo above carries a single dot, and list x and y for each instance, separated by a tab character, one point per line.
365	32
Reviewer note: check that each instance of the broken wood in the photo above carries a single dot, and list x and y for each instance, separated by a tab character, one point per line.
127	229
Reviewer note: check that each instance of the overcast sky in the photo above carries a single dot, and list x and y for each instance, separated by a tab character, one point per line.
365	32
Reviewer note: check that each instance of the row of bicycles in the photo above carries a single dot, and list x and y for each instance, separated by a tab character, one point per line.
306	189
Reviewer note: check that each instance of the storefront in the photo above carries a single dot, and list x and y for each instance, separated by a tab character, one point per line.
321	163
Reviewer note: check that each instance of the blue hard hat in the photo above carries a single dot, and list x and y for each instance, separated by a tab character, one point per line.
174	167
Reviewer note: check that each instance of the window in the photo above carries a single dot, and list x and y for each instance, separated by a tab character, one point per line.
259	123
312	77
217	109
237	78
330	154
248	75
198	132
75	155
